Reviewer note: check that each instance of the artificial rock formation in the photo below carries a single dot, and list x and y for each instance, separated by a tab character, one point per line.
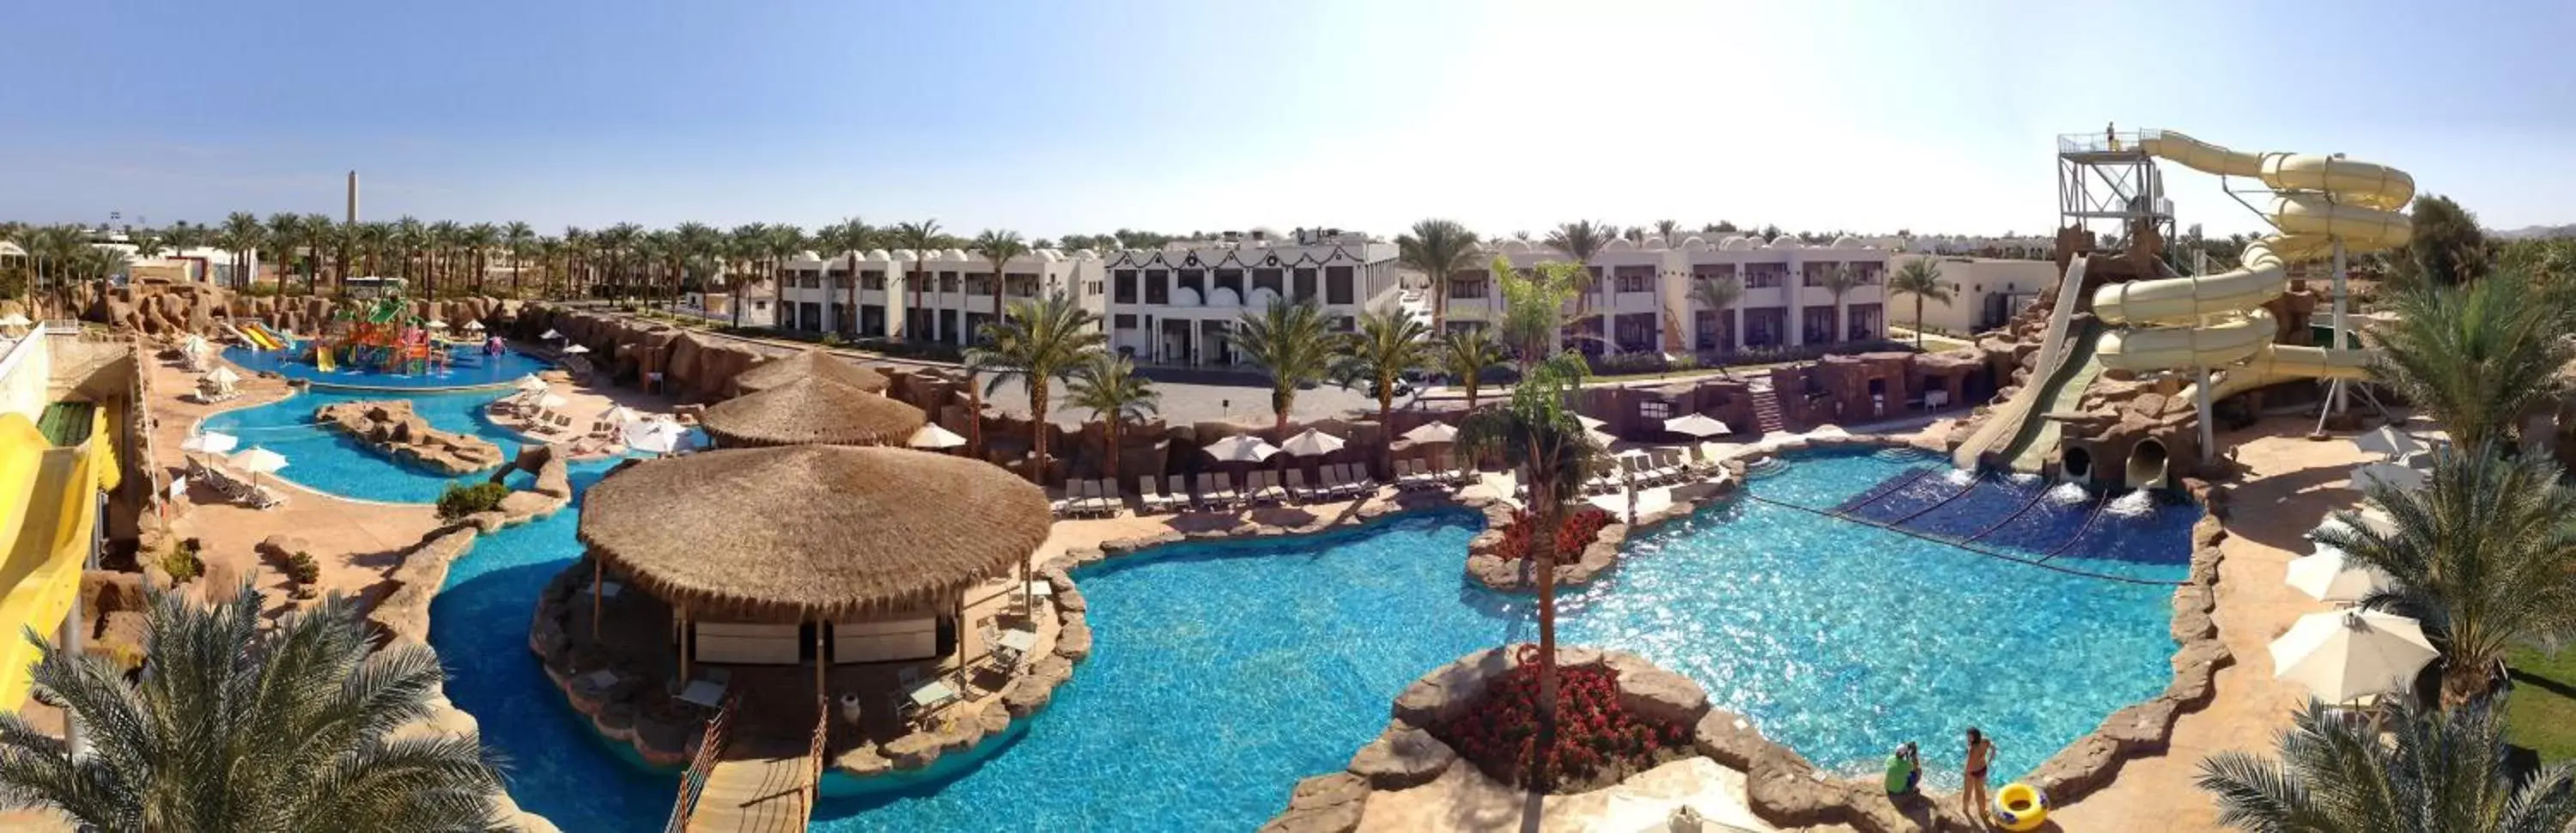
391	427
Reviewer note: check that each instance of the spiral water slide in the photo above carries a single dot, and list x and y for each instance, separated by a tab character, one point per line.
2217	321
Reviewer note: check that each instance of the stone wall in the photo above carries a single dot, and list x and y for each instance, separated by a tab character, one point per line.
166	308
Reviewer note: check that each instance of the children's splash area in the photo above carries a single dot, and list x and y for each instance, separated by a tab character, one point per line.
1845	601
385	348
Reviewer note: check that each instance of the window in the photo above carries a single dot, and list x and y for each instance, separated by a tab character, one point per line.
1654	409
1090	288
979	285
1469	288
1126	286
1337	286
1124	321
873	279
1158	286
1305	285
947	283
1632	282
1765	275
1270	279
1022	285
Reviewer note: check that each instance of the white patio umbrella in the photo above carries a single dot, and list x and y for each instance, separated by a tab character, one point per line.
531	384
1603	439
474	326
1311	443
2345	655
2389	442
1241	448
436	324
2328	575
14	320
576	349
211	442
258	461
1697	425
933	436
655	436
551	335
223	375
2391	475
195	345
1433	432
2371	519
1588	422
551	401
620	415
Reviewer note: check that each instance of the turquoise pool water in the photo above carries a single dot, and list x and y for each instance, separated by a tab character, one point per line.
467	368
328	460
1225	671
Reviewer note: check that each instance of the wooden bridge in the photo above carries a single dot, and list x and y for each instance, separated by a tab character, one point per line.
749	784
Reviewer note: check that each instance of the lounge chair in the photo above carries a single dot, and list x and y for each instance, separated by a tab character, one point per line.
1224	495
1180	492
1297	487
1147	498
1065	507
1106	499
1204	497
1338	483
1269	488
1361	479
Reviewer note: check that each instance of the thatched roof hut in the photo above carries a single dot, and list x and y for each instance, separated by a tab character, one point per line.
811	410
812	533
781	370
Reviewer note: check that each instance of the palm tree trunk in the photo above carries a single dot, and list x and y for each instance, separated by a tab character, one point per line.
1038	424
1109	439
1543	521
1918	322
1385	417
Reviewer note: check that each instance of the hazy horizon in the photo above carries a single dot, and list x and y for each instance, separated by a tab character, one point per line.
1174	117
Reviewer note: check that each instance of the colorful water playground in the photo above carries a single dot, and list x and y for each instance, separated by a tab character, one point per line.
384	346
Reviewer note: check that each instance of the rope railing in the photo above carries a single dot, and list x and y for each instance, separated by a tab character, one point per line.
814	754
693	783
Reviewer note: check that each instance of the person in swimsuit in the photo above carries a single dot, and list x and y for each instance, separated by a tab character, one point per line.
1972	795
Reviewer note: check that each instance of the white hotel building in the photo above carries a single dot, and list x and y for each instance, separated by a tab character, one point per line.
1172	305
1642	292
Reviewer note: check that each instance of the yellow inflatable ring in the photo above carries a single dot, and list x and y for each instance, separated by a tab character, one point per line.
2020	807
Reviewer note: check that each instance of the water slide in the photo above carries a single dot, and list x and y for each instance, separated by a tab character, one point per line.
48	511
2009	427
252	337
262	330
2217	321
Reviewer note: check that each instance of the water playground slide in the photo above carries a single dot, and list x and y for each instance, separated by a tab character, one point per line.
255	342
322	358
2217	321
48	510
2007	425
261	330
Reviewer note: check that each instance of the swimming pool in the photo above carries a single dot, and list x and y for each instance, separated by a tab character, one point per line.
467	368
329	460
1224	671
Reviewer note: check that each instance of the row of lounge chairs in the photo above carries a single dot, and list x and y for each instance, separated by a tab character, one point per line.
1655	468
1215	491
233	487
1418	474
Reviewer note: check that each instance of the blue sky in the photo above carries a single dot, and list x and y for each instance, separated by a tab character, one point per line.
1060	117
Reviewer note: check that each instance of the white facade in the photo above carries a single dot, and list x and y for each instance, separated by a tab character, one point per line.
1175	305
1983	292
1640	298
956	291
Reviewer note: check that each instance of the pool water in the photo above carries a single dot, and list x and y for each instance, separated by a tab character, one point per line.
466	368
1224	671
329	460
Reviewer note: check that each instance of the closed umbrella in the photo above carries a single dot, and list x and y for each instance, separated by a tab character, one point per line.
933	436
1241	448
2345	655
1697	425
211	442
1433	432
1311	443
2328	575
258	461
2390	475
2388	442
654	436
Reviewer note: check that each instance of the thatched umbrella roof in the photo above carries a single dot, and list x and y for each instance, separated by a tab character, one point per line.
812	532
811	410
778	371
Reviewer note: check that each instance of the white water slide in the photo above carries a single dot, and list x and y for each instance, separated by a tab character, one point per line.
2218	321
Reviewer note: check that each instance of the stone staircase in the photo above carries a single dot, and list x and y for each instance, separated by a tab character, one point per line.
1766	409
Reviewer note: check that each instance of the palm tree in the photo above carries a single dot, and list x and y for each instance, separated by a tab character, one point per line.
241	724
1387	345
1106	384
999	246
781	242
1718	295
580	249
410	239
1666	229
1464	355
321	235
551	256
1581	240
1533	322
242	235
481	239
2478	357
1439	248
1921	278
849	237
2484	555
920	237
617	244
1036	342
1839	281
285	236
1290	341
1537	434
2432	773
443	237
521	240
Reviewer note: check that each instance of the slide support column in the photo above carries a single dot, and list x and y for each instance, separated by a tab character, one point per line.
2208	429
2336	388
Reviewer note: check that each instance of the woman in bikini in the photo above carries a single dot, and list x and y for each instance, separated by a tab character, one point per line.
1972	795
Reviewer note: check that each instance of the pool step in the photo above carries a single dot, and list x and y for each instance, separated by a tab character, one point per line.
1765	467
1901	455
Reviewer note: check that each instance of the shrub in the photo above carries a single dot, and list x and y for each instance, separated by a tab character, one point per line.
834	340
181	561
304	571
461	500
1578	530
1597	741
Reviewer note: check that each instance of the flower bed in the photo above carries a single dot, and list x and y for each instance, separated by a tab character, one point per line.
1578	530
1598	741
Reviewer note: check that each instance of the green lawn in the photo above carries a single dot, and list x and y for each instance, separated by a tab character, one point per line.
2541	714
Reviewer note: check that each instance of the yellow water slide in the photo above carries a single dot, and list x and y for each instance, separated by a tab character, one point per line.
48	513
2217	321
